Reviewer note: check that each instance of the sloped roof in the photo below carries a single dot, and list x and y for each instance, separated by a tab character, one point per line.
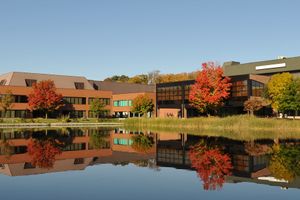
122	88
61	81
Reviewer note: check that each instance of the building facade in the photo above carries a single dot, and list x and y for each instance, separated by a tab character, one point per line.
248	81
78	93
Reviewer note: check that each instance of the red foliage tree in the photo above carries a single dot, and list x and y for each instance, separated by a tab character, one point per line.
43	153
44	97
210	89
212	166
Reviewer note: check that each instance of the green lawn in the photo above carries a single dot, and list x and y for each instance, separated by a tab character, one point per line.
235	127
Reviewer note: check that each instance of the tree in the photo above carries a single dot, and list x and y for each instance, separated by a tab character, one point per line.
99	140
290	99
210	88
284	162
43	152
97	107
142	143
211	164
7	100
276	88
253	104
142	104
44	97
140	79
116	78
153	77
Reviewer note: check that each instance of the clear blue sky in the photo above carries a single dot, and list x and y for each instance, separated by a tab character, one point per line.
98	38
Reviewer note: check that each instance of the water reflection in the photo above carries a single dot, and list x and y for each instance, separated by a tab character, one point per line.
216	160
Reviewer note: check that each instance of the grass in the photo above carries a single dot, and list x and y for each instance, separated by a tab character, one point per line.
236	127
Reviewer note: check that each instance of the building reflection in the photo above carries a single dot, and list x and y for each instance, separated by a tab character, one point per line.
258	161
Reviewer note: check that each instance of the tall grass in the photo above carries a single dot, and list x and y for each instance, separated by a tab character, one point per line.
235	127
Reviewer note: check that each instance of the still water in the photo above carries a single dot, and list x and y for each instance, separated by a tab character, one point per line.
112	163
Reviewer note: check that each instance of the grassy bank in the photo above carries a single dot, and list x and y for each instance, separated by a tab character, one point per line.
235	127
59	120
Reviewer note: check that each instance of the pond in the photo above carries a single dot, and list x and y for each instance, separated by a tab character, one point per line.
113	163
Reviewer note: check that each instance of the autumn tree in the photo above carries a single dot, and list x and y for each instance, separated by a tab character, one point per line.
97	107
211	164
284	162
210	88
253	104
276	87
44	97
43	152
142	104
6	101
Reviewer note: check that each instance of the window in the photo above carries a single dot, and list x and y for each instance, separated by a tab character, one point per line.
240	88
79	85
2	82
20	99
30	82
105	101
28	165
123	103
95	86
78	161
257	88
104	113
75	100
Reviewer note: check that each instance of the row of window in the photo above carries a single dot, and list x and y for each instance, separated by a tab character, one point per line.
240	88
82	100
122	103
17	98
105	101
174	93
124	142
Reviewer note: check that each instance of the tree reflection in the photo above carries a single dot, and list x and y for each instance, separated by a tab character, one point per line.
211	164
142	143
285	162
45	145
43	152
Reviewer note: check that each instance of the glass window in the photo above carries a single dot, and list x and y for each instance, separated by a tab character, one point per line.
239	88
257	88
30	82
79	85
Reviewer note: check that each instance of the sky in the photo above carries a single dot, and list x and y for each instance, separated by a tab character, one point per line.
101	38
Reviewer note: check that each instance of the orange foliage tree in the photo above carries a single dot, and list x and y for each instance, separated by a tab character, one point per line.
210	88
44	97
211	164
43	152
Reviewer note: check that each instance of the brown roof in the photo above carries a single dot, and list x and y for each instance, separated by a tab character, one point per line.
61	81
122	88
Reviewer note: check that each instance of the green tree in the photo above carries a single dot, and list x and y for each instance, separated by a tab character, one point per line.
142	143
7	100
142	105
99	140
140	79
276	87
290	99
97	107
